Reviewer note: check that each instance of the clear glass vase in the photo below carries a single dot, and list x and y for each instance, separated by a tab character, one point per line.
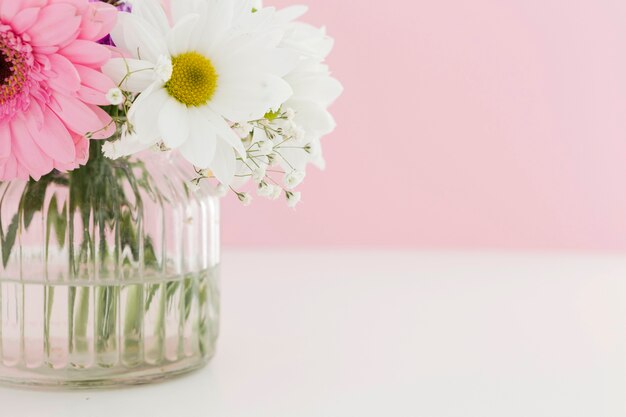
109	274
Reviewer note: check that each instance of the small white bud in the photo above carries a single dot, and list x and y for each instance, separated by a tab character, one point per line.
276	191
284	127
293	199
294	178
243	130
258	175
265	190
290	113
115	96
221	190
245	198
163	69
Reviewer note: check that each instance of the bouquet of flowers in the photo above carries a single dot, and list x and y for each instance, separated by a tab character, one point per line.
121	123
240	91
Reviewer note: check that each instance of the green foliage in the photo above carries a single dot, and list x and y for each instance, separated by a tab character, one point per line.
8	240
97	196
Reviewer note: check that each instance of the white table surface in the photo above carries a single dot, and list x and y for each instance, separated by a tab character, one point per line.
371	333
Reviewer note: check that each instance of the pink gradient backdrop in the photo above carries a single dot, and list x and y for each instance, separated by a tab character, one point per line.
465	124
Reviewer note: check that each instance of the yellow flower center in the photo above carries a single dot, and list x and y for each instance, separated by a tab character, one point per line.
194	79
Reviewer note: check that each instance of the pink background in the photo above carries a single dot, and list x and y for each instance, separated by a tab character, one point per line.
465	124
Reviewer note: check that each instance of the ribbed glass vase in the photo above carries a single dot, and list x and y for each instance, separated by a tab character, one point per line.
109	274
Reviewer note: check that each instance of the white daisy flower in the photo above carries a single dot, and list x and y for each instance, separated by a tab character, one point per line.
216	64
314	91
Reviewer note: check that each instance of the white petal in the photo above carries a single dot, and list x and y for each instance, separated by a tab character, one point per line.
224	131
240	54
216	21
130	74
246	48
140	39
245	98
153	13
173	123
243	6
180	39
224	164
312	117
182	8
145	112
246	22
126	146
199	149
322	89
308	40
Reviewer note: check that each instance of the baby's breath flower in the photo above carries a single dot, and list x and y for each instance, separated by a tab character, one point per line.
294	178
293	198
274	192
265	190
259	174
242	129
245	198
115	96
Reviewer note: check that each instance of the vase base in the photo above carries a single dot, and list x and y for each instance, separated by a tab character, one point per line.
102	378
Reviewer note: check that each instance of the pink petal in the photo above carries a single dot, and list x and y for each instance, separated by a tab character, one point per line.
33	3
79	117
94	79
23	174
98	21
94	87
79	5
36	113
9	8
5	141
86	52
65	76
26	150
45	50
91	96
24	19
54	139
106	121
9	169
56	25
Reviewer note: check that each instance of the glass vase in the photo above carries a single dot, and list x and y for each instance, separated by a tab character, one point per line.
109	274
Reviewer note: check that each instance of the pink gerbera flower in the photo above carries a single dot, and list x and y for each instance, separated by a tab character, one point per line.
51	84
